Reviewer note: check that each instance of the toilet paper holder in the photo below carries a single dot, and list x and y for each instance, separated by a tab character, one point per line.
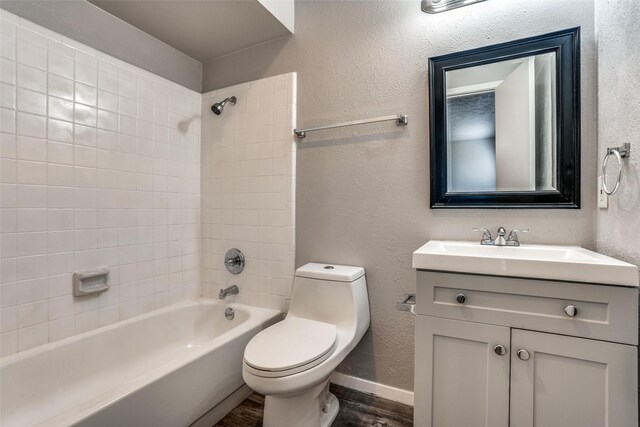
408	303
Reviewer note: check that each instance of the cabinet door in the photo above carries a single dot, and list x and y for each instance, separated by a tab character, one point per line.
460	380
567	381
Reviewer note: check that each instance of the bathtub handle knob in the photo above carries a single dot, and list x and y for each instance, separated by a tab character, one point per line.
234	261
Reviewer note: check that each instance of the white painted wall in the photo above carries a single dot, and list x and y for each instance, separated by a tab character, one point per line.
282	10
248	190
99	166
618	112
618	32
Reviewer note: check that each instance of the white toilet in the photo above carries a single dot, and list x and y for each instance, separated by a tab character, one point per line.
291	362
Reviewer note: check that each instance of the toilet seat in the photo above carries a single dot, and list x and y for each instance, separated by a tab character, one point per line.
289	347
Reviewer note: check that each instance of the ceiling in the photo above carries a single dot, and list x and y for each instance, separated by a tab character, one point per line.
202	29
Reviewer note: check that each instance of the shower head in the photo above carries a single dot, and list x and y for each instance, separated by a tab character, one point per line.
219	106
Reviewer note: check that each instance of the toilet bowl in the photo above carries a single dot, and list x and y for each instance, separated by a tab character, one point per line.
292	361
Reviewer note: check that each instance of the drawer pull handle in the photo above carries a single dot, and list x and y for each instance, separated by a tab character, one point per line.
500	350
571	310
523	354
461	299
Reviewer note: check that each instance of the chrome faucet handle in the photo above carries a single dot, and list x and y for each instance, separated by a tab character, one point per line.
512	240
486	238
234	261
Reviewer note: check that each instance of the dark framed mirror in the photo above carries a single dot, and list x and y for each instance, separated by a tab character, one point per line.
505	125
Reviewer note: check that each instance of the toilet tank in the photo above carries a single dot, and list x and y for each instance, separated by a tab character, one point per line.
331	293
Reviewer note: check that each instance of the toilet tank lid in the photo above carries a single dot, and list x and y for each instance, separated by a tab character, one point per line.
335	272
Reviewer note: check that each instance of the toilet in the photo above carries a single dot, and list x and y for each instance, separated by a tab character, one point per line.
292	361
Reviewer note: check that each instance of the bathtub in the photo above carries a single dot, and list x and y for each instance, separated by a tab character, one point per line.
165	368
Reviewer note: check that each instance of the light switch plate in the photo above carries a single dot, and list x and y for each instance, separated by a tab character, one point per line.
603	198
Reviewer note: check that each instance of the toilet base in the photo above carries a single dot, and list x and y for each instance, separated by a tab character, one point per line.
327	418
315	407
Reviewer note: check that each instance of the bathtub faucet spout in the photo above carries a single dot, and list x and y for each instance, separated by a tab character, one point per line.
231	290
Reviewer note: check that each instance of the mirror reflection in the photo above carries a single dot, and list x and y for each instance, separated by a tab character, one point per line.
501	126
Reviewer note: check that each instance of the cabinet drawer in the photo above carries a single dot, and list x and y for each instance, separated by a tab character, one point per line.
603	312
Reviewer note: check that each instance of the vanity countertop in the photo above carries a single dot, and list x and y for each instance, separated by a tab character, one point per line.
551	262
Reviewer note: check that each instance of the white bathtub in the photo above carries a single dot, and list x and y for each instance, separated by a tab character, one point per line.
166	368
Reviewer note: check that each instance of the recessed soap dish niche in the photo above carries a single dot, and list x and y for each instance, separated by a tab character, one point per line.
90	282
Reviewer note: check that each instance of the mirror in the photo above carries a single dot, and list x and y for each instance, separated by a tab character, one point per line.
505	125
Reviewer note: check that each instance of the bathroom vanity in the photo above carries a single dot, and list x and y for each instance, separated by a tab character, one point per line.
524	336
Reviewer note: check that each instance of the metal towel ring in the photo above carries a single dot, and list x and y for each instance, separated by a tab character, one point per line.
620	153
604	171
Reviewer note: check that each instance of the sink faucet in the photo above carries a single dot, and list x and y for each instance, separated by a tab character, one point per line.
511	240
500	240
231	290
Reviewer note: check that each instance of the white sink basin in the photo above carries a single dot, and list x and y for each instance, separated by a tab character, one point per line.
567	263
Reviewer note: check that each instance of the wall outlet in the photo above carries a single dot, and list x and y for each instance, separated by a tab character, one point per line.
603	198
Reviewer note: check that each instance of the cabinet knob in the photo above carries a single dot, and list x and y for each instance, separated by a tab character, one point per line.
523	354
500	350
461	299
571	310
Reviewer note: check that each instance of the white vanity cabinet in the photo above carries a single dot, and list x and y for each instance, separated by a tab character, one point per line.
568	381
503	351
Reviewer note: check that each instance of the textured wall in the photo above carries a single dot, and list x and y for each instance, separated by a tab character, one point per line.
99	166
88	24
362	193
248	190
618	32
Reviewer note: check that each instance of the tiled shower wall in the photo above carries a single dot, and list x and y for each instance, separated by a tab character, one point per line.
100	166
248	190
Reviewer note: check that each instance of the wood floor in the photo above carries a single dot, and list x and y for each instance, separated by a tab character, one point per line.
356	409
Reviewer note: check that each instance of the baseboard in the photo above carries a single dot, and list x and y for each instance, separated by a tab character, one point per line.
218	412
380	390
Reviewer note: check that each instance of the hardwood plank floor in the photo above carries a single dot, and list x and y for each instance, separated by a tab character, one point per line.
356	409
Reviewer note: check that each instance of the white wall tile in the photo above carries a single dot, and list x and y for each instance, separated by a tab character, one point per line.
32	55
107	81
34	149
31	172
8	47
60	64
31	102
79	189
60	131
33	290
31	125
8	319
32	313
60	87
87	74
86	94
8	343
7	71
33	336
245	196
62	328
60	108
